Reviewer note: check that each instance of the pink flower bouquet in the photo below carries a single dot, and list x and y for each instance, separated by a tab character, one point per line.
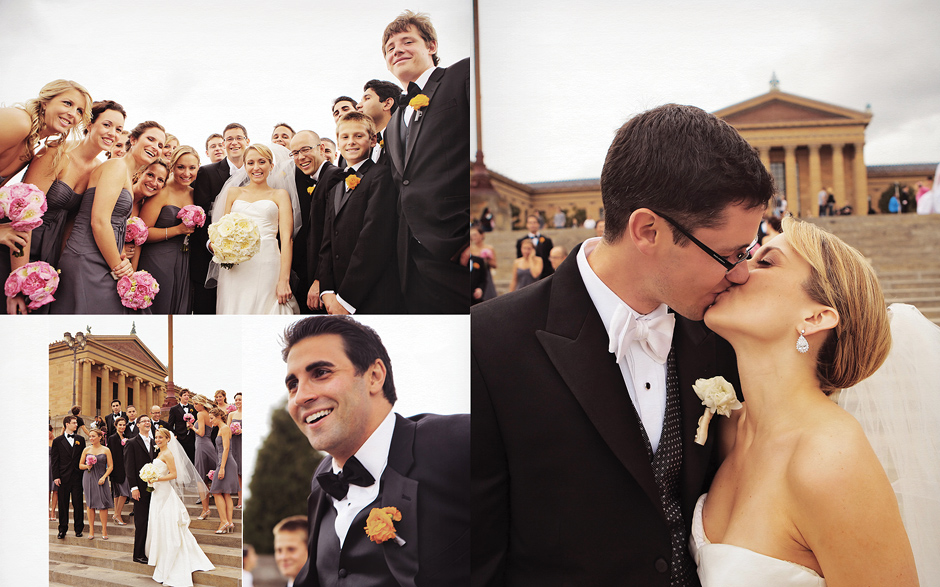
188	418
236	427
24	204
136	231
192	215
91	460
37	281
137	290
231	408
123	441
211	475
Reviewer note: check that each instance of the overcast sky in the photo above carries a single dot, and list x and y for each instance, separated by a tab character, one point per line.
195	66
559	78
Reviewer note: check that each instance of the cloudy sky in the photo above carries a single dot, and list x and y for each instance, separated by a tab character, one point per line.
558	81
196	66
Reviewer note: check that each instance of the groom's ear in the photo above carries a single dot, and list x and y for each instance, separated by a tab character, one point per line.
375	376
642	231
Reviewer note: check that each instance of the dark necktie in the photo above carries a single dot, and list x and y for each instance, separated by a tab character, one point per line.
353	473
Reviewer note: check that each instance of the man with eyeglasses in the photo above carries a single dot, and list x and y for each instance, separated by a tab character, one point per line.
315	177
206	187
583	407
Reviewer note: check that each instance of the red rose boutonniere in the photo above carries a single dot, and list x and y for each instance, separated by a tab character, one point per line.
419	102
352	180
380	526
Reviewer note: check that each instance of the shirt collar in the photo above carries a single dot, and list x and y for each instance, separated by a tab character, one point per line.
373	454
423	78
231	167
316	174
358	165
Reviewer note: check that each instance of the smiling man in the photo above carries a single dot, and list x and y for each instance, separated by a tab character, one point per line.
340	395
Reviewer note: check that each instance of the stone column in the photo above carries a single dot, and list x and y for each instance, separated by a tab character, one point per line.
137	382
815	177
838	174
860	204
793	194
764	156
106	390
122	387
85	388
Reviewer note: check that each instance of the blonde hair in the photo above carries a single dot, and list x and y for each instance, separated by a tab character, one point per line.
262	150
36	108
178	154
202	400
165	432
843	279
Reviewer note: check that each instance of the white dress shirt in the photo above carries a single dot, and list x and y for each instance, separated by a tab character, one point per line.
373	454
421	81
645	378
147	444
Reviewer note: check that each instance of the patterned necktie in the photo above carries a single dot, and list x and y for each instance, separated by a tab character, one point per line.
353	473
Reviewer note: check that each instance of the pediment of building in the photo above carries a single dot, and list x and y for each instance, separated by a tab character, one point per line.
777	108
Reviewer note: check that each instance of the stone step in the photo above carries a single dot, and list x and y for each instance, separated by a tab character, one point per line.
75	568
116	545
194	510
203	535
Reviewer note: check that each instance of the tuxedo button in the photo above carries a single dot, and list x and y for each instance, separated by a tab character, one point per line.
405	182
661	565
343	573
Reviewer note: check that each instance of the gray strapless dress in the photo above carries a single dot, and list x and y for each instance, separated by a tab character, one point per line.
97	497
46	240
206	459
236	448
230	483
167	262
85	284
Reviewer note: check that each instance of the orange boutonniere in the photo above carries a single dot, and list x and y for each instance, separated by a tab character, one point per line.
352	180
541	239
380	525
382	143
310	189
476	265
419	102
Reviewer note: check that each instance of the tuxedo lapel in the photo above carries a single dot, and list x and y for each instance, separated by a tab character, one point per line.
320	501
401	492
393	143
361	186
415	127
576	342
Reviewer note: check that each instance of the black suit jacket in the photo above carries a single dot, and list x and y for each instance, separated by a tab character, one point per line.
132	430
431	173
136	456
357	256
117	458
176	423
427	478
314	222
65	460
563	488
206	187
109	421
543	249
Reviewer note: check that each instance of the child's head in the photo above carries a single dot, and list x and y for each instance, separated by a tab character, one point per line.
355	137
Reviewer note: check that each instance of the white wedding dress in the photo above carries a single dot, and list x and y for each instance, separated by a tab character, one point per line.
726	565
171	548
251	287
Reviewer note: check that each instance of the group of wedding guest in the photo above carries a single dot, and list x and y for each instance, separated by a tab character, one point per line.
384	231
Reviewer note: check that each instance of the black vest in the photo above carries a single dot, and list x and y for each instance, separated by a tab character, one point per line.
361	562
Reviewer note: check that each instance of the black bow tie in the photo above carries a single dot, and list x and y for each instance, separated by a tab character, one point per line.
413	90
378	137
70	436
353	473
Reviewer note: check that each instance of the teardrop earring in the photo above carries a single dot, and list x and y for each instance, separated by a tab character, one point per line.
801	344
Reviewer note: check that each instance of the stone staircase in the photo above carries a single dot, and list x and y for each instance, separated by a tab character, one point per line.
81	562
904	250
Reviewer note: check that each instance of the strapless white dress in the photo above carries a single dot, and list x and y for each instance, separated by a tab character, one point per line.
251	287
725	565
171	548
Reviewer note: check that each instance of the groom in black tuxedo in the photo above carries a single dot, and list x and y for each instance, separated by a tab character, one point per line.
114	415
138	452
340	395
206	187
585	469
427	153
66	456
177	424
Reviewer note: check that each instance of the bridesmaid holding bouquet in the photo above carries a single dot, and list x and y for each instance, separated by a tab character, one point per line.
97	463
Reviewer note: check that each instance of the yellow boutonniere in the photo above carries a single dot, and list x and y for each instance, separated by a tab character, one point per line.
541	239
352	180
382	143
310	189
380	525
476	265
419	102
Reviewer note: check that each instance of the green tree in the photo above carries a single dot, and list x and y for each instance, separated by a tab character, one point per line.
280	483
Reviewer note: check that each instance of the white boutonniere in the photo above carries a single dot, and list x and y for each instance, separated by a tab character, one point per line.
717	395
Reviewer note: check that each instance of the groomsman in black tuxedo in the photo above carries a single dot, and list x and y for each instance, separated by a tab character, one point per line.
357	270
379	101
66	454
215	148
206	187
132	430
155	421
543	244
116	413
340	394
138	452
177	424
428	140
315	176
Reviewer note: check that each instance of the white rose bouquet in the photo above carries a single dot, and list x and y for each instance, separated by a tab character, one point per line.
235	238
717	396
149	474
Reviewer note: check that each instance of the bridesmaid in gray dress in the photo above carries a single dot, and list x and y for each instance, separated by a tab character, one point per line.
206	458
226	475
236	417
93	252
166	252
147	184
95	482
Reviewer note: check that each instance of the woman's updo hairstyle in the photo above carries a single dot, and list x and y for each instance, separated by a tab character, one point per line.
100	107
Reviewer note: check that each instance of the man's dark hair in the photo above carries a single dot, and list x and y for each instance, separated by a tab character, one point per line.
212	136
285	125
115	400
67	419
384	90
683	162
345	99
362	344
232	125
142	416
76	410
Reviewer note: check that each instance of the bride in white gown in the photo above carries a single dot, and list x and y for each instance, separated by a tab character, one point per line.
171	548
801	498
260	285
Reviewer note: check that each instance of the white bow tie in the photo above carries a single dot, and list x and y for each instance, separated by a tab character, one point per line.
654	335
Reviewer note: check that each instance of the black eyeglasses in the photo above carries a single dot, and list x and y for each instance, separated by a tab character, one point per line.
728	265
